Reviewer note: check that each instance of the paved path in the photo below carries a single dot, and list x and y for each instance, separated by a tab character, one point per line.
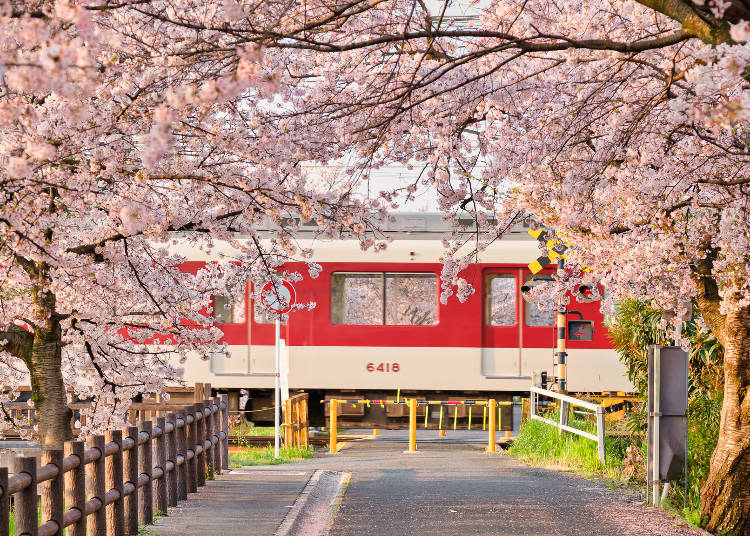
455	490
251	502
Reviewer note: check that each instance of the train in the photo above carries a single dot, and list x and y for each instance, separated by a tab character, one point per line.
379	330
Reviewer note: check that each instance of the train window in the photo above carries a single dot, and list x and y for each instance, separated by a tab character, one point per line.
377	298
535	317
227	312
410	299
501	300
357	298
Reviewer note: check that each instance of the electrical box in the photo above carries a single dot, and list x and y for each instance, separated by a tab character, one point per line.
580	330
667	413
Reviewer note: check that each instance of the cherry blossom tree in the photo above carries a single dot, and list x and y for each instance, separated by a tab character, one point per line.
109	150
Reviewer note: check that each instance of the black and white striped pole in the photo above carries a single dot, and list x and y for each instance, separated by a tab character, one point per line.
562	321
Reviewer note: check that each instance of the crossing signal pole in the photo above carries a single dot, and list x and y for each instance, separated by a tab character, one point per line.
562	321
556	253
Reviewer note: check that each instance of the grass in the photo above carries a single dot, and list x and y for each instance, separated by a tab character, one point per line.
539	443
264	456
249	429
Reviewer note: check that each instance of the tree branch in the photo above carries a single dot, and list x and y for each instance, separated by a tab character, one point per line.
20	342
701	24
708	297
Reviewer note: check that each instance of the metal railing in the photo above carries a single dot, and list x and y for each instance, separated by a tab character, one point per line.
565	403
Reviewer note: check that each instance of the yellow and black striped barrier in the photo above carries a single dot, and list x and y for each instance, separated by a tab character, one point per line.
490	408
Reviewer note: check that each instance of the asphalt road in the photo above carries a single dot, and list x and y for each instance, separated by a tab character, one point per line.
448	488
458	490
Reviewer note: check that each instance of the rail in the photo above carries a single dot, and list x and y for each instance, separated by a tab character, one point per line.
566	402
110	484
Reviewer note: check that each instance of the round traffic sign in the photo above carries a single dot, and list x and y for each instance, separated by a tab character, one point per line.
278	297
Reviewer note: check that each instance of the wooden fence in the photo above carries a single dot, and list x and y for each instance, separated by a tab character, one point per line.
113	483
295	421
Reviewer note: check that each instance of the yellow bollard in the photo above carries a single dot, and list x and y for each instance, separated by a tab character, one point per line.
491	439
375	432
333	426
413	425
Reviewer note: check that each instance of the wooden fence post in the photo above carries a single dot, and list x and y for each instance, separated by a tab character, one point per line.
200	439
172	457
161	462
225	429
146	502
288	426
208	406
215	414
52	491
304	421
298	421
25	501
130	470
192	473
182	472
75	487
4	503
114	480
96	487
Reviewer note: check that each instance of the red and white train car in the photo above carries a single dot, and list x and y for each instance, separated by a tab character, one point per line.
379	327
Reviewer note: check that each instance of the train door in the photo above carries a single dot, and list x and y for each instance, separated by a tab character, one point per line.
232	318
537	333
500	323
260	326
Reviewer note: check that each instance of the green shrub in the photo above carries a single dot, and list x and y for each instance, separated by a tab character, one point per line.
704	412
634	328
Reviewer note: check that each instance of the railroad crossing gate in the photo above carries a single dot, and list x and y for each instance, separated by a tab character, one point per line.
553	244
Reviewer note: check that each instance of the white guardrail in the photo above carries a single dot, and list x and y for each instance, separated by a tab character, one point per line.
565	403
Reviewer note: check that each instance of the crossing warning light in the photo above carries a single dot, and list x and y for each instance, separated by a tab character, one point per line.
584	294
526	288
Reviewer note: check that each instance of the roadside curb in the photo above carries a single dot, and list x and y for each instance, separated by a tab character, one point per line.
288	522
290	525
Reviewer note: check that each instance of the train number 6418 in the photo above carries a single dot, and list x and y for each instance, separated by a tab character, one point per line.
383	367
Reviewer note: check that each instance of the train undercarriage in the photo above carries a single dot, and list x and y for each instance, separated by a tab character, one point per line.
378	408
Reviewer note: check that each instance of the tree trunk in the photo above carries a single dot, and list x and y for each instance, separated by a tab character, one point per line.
725	497
49	389
45	369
